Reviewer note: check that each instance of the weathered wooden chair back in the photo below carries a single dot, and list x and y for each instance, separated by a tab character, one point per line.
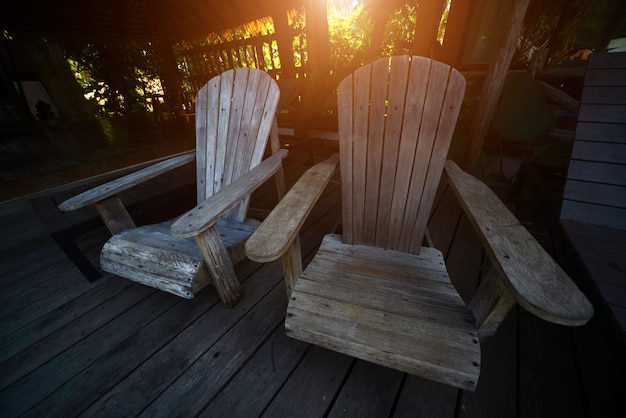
395	130
595	192
234	116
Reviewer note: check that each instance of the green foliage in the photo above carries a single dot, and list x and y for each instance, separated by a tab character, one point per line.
349	37
400	31
523	113
351	34
116	77
298	21
565	25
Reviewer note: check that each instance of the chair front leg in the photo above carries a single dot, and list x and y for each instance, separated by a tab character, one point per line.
219	265
114	214
292	265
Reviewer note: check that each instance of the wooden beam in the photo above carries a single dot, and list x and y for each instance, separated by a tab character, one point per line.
494	81
318	47
285	48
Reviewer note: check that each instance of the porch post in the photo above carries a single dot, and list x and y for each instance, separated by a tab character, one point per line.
284	37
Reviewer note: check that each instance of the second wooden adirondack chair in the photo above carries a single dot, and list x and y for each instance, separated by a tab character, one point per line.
375	292
235	116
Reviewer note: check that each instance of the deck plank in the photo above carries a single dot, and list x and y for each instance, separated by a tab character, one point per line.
47	348
35	386
425	398
23	337
312	386
189	393
545	356
68	284
260	379
32	286
496	392
369	391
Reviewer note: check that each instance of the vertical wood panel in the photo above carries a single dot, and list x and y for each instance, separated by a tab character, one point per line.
362	80
223	125
393	130
345	109
375	138
411	125
437	82
450	110
240	88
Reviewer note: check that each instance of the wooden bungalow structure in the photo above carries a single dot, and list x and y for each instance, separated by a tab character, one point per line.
75	347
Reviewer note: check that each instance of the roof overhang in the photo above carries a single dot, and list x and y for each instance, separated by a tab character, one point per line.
173	20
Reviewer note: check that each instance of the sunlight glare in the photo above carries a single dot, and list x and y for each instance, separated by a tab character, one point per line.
341	8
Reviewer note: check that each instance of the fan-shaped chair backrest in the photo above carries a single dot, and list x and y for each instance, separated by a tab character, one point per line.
234	115
396	119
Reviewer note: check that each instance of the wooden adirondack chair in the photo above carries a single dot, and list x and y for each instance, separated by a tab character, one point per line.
235	116
375	293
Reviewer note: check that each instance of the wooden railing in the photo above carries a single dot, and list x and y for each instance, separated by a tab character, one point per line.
204	62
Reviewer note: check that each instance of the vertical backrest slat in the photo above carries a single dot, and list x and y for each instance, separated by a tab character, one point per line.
206	137
375	135
240	88
346	119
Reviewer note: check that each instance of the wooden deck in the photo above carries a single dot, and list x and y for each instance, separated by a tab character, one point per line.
69	347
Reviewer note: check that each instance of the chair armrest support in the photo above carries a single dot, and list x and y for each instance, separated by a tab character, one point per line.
532	277
282	226
113	187
206	213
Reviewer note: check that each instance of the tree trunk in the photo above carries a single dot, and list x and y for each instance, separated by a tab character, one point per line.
494	81
428	20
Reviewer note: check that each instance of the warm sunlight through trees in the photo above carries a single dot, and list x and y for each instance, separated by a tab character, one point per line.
322	41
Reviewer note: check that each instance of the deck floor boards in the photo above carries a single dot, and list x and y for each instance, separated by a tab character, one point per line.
69	347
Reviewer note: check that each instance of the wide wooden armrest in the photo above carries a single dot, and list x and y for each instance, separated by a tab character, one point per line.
530	275
113	187
213	208
281	227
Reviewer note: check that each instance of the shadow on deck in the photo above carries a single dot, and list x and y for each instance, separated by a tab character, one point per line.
69	347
